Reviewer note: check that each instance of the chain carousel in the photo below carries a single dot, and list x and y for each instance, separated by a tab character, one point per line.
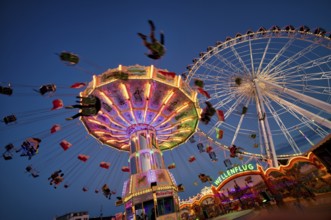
144	111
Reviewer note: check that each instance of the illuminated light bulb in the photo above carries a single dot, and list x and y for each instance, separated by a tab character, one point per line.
119	136
181	108
106	98
177	139
195	96
178	79
145	112
124	146
184	130
119	125
152	70
186	119
111	141
158	114
148	90
94	81
94	121
168	97
164	122
125	91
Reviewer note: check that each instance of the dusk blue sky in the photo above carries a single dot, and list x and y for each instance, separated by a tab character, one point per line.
104	35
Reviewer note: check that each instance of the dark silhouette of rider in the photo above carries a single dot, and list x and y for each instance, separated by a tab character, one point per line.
156	48
90	105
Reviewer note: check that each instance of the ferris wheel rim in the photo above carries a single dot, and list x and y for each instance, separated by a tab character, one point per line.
323	40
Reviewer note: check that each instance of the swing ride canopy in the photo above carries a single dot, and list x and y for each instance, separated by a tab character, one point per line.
139	97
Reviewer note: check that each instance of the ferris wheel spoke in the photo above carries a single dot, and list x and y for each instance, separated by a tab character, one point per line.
227	63
226	114
322	75
251	57
308	77
293	58
297	76
277	56
304	66
239	125
234	106
209	77
317	103
307	139
221	146
229	99
319	130
222	101
249	159
263	56
306	122
221	85
317	90
285	131
217	69
247	71
323	121
310	89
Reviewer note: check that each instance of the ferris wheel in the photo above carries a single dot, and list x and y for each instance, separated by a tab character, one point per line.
272	87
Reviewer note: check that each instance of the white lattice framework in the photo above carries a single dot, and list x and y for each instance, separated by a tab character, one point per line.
282	76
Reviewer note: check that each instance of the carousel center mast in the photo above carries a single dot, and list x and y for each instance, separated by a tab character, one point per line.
144	112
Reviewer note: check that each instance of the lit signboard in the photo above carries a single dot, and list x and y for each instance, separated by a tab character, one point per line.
233	171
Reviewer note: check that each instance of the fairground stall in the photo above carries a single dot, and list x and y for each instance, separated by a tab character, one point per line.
304	180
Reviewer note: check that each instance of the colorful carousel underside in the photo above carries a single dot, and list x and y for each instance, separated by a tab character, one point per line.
135	98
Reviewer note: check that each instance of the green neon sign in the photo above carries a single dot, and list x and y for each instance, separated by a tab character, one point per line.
233	171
